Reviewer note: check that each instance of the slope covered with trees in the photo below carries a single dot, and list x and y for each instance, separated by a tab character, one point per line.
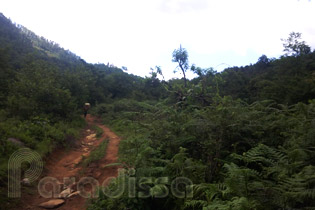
43	89
244	136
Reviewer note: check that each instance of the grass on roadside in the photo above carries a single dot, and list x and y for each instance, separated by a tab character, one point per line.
96	154
98	131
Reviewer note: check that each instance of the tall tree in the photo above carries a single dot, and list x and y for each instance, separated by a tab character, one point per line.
293	45
181	57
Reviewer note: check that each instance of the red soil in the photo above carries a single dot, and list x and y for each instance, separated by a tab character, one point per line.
66	163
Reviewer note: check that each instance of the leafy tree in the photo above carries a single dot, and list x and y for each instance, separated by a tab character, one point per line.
263	60
180	56
293	46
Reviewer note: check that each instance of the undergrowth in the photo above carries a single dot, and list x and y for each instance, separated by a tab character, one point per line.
40	135
97	154
99	131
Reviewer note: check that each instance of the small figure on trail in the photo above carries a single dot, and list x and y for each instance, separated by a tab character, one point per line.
86	108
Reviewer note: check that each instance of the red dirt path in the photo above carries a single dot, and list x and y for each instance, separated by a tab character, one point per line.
66	163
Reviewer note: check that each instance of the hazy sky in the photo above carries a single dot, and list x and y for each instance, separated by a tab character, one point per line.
140	34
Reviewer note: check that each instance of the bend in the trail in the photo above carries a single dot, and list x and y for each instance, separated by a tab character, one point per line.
64	163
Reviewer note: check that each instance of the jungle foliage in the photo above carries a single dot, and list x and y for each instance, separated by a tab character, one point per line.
244	136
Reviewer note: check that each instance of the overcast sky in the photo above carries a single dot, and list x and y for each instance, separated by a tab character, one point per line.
140	34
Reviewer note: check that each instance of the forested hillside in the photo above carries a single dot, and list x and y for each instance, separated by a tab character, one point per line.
43	89
244	137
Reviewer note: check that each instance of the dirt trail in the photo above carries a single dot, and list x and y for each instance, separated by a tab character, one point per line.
66	163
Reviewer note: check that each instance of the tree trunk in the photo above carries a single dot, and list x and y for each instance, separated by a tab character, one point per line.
181	67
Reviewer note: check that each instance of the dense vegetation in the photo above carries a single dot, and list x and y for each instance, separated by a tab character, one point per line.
244	137
42	91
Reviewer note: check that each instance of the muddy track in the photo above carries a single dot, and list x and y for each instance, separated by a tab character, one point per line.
68	163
